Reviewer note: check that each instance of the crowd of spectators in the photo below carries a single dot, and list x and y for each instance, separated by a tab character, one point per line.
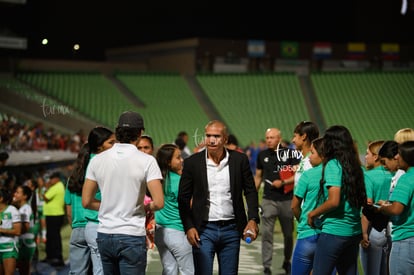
16	135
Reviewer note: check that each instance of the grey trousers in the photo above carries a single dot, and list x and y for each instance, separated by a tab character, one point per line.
271	211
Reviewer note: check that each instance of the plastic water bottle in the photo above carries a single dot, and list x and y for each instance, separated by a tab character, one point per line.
248	238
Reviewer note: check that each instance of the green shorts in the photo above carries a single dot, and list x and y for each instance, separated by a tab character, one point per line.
11	252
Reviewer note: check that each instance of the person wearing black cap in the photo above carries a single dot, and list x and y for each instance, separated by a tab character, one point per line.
122	174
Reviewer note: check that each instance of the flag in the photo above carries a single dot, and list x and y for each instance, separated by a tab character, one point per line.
256	48
390	51
356	50
289	49
322	50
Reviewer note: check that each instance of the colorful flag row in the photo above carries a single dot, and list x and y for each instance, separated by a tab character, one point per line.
257	48
389	51
323	50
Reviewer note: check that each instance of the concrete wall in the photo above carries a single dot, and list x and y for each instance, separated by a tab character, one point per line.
86	66
188	56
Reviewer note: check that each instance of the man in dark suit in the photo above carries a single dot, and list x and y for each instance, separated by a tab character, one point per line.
210	201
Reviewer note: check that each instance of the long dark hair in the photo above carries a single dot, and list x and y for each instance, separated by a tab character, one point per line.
338	144
26	191
164	157
309	128
318	144
32	197
389	149
75	181
97	136
406	152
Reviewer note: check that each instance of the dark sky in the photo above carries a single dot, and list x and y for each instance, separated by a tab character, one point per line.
96	25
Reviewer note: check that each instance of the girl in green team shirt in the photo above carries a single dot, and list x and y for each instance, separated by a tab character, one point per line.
342	194
175	251
27	244
401	204
373	246
99	140
10	228
304	200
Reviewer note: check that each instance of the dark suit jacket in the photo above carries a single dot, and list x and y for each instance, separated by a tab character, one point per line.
194	185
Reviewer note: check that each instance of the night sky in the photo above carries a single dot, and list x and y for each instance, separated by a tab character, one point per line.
97	26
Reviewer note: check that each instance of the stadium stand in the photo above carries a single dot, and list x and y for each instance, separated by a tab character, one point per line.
373	105
170	105
251	103
31	105
91	94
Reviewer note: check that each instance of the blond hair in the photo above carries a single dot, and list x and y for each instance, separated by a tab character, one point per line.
404	134
375	146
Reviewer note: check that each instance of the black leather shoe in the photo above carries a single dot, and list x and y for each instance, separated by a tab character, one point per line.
45	260
287	267
267	271
56	262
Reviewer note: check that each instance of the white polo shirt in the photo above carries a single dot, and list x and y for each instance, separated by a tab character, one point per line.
122	173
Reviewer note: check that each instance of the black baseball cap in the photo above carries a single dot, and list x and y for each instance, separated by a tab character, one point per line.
130	119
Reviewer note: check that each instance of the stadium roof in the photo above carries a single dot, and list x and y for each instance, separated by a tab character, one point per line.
97	25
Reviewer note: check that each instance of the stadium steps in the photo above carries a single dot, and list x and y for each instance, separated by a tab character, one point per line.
202	98
311	102
125	91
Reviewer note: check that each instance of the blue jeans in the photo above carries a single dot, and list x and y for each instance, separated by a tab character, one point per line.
402	257
374	257
122	254
79	253
175	251
223	240
302	260
90	236
336	251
